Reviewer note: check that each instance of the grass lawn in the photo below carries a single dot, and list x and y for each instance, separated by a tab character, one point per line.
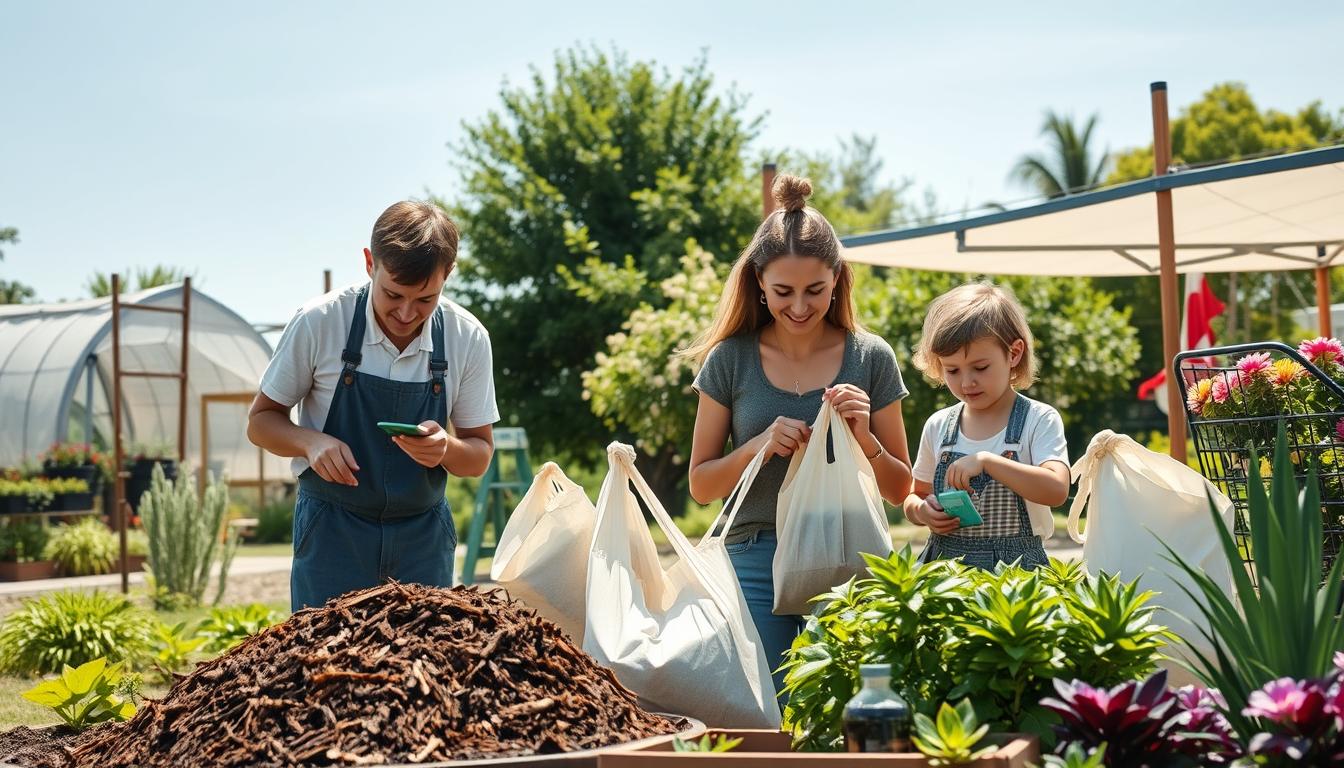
16	710
265	550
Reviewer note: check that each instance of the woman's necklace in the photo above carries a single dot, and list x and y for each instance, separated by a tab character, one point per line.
797	382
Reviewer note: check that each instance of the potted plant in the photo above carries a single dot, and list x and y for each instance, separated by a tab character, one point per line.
140	462
71	494
38	494
13	496
74	460
21	547
85	548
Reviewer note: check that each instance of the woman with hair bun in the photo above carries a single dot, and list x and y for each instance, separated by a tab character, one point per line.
784	339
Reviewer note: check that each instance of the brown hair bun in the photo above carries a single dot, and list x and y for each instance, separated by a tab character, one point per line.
791	192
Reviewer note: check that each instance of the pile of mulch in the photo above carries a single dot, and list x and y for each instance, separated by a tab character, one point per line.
37	747
394	674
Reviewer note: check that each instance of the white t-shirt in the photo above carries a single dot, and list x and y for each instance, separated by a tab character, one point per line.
1042	441
307	363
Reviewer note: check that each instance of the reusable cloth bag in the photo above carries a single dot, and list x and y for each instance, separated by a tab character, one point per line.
542	555
830	511
679	637
1136	501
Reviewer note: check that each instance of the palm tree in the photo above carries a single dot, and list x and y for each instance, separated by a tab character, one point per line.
100	284
14	292
1071	168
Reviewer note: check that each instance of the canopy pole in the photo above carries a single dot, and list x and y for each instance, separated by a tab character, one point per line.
1323	294
1166	243
767	189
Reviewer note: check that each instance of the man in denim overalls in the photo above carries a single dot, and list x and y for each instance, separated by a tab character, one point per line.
371	507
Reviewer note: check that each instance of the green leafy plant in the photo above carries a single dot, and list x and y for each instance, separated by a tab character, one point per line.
72	628
185	535
86	695
1284	622
22	541
952	737
67	485
228	626
1111	632
950	632
84	548
173	647
37	491
1078	757
719	743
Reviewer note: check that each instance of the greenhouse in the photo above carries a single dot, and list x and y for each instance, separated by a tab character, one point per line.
56	379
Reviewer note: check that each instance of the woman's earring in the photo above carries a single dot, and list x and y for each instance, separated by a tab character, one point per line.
763	301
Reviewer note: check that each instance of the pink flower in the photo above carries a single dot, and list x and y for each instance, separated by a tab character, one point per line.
1219	390
1322	351
1254	365
1286	701
1339	432
1339	655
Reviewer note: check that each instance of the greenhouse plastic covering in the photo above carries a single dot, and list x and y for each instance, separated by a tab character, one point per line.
53	355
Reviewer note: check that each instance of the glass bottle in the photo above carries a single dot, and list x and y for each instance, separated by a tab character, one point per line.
877	719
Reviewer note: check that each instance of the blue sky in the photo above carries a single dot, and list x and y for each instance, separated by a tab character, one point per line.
255	142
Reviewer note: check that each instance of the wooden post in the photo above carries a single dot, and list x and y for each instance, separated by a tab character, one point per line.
1323	318
767	189
326	281
1166	244
182	382
118	511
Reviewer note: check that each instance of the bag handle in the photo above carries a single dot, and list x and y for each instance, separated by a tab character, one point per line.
1105	443
737	497
622	458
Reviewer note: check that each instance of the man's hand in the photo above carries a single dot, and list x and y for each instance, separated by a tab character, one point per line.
331	459
429	448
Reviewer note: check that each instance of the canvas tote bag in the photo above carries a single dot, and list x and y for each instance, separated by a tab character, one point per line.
679	637
1137	500
829	513
542	555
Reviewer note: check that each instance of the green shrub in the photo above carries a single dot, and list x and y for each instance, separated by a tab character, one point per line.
84	548
72	628
22	541
173	647
88	695
951	632
275	523
185	538
137	543
231	625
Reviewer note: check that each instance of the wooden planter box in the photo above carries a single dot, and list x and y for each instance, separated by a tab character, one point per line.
770	749
38	569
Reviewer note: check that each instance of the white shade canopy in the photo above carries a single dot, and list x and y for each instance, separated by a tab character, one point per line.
56	359
1277	213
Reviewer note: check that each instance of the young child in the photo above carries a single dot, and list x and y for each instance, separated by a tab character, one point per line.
1005	450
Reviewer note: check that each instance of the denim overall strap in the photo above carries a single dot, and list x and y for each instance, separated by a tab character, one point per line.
1007	535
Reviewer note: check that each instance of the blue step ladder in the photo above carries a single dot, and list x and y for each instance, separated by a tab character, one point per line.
493	503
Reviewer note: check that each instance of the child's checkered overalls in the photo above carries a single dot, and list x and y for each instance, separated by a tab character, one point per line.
1006	534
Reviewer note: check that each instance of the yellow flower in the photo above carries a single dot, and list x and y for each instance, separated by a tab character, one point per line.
1284	370
1198	395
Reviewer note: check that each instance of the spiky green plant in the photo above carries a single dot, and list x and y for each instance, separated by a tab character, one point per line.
72	628
186	537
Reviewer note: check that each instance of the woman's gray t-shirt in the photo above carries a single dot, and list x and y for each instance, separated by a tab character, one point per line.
733	376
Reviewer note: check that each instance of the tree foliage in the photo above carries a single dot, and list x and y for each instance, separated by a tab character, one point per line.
593	176
1072	164
100	284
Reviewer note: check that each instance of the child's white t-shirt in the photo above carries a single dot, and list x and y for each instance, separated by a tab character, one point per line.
1042	441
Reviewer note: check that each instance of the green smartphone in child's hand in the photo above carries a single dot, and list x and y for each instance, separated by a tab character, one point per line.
395	428
959	505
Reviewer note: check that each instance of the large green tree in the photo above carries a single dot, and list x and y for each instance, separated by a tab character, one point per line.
1072	163
595	174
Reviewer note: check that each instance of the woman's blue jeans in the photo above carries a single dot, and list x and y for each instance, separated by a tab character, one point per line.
753	560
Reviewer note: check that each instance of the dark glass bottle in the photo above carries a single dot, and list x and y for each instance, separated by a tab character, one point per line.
877	719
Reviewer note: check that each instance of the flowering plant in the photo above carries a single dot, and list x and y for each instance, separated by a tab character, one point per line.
71	455
1302	720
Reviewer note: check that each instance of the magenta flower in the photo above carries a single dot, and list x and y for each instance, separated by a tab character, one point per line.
1287	701
1322	351
1254	365
1339	655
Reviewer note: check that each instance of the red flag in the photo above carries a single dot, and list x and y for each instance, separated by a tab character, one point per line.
1201	306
